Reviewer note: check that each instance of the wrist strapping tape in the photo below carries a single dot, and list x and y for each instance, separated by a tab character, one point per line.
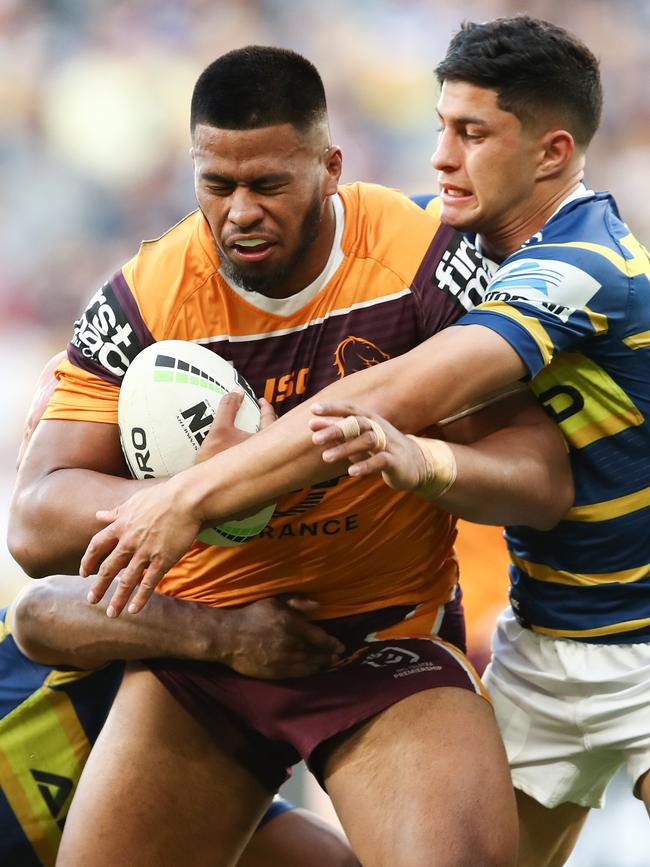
440	466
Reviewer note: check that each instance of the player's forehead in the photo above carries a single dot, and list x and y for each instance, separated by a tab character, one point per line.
461	102
250	152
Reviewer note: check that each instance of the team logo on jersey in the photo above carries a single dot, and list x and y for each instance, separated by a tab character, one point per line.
462	273
555	287
357	353
279	388
103	334
54	790
389	656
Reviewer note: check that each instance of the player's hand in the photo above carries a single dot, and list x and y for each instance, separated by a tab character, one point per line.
223	432
272	638
145	536
370	443
152	530
45	386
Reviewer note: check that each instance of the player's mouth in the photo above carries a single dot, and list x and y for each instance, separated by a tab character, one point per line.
453	195
251	249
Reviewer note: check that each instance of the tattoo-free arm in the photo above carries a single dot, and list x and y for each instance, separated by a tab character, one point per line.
71	469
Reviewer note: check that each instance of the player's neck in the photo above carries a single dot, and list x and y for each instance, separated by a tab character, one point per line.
499	244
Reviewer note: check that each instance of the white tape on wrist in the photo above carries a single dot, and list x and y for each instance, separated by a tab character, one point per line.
440	467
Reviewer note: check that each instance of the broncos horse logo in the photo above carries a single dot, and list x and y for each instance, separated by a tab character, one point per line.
356	353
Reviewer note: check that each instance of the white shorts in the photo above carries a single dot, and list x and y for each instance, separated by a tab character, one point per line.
570	713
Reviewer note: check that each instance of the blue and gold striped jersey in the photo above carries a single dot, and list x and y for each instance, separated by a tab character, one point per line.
574	302
49	720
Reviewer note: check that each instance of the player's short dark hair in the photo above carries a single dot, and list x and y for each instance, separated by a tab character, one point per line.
259	86
533	66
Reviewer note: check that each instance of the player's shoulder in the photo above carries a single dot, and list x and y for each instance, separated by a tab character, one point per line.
383	224
373	204
587	232
174	264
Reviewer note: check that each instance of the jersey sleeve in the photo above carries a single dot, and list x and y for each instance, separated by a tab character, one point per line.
451	280
106	338
551	303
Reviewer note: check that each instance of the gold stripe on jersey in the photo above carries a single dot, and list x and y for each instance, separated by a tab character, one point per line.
606	409
63	678
638	341
599	322
44	836
541	572
611	629
62	750
70	726
634	267
533	326
608	509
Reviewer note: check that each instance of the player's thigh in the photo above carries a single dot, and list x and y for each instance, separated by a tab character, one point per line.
295	838
426	782
157	790
547	836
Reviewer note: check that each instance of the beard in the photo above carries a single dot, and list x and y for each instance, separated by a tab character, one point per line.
266	283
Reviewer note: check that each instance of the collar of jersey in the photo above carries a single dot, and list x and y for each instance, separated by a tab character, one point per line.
288	306
580	192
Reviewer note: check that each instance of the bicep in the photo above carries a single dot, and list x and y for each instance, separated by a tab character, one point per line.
60	445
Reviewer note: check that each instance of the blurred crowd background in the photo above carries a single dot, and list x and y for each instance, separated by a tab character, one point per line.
94	104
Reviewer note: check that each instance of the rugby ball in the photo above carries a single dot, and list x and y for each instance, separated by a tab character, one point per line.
168	400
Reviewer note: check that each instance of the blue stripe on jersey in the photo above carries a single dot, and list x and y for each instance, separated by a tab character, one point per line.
557	609
574	303
562	549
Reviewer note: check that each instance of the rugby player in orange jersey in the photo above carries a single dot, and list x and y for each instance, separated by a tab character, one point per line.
277	271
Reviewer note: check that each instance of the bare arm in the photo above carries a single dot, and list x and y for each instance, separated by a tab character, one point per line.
511	461
70	470
53	624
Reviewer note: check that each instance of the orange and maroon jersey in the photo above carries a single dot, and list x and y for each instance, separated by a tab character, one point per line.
388	285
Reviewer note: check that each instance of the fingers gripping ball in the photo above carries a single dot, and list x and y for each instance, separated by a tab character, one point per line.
168	400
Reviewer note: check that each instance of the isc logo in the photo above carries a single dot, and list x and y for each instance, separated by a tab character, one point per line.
279	388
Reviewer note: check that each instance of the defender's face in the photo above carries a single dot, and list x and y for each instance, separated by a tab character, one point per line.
485	162
264	194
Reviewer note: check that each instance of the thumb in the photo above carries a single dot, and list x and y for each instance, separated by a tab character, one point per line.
268	415
228	408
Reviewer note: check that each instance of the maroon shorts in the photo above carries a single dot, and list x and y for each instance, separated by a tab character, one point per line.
270	725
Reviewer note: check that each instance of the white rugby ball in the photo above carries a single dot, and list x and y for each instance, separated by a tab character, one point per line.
168	400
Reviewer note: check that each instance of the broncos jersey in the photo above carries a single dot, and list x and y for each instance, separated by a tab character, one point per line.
353	545
574	302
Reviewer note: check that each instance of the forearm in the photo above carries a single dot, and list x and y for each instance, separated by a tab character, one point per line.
53	624
53	518
503	480
412	391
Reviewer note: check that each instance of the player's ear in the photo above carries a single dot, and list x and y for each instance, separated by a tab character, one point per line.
557	150
333	162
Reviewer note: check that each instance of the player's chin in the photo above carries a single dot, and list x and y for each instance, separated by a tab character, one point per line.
459	216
